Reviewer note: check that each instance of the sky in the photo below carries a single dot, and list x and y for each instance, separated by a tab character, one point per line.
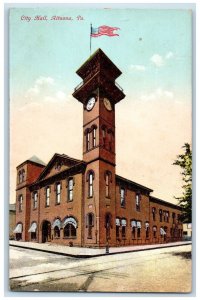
153	51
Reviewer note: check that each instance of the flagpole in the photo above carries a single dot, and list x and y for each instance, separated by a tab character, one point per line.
90	37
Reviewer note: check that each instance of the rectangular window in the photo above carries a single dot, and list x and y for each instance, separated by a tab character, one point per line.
107	185
117	231
88	141
47	196
154	213
160	212
35	200
90	185
173	217
70	189
94	137
58	191
167	216
20	202
122	197
123	232
104	137
138	232
137	202
133	232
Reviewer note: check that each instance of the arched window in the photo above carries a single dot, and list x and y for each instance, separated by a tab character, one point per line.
87	139
90	224
23	175
47	200
56	227
56	232
35	200
110	139
32	230
147	229
122	196
20	199
20	176
69	231
58	192
137	201
139	226
173	217
69	227
133	226
103	135
154	231
123	222
70	188
90	179
108	179
117	223
161	214
154	213
94	133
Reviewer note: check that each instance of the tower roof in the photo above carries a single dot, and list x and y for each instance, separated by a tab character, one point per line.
98	60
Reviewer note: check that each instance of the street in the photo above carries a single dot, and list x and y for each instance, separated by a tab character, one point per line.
158	270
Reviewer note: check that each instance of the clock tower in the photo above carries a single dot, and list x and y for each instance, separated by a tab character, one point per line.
99	93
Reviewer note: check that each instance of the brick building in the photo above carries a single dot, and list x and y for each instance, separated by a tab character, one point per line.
83	202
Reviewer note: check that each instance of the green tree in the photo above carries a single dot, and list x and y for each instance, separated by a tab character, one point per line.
185	201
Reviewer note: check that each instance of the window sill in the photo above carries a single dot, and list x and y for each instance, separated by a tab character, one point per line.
47	206
57	203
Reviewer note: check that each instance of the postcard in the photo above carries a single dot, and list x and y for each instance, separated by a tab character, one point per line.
100	150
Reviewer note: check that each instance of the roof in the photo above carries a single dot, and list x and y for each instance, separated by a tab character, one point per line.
12	207
34	159
37	160
134	184
163	202
72	162
91	61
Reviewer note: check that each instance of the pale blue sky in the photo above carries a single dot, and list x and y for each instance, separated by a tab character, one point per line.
57	48
153	51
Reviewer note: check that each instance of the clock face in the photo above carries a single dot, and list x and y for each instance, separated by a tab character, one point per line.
90	103
107	104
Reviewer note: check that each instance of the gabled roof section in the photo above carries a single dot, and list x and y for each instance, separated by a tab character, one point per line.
133	184
61	159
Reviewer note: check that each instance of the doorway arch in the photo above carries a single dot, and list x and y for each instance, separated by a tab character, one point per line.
46	231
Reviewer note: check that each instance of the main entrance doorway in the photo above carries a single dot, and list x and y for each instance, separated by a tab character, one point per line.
46	232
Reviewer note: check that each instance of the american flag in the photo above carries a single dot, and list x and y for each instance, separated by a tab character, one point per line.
103	30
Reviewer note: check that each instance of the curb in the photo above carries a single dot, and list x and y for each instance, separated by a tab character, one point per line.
97	255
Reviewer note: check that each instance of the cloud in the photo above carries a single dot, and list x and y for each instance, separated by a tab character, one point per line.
169	55
45	89
159	60
159	93
140	68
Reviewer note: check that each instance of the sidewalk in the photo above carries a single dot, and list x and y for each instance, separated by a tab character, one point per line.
89	252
